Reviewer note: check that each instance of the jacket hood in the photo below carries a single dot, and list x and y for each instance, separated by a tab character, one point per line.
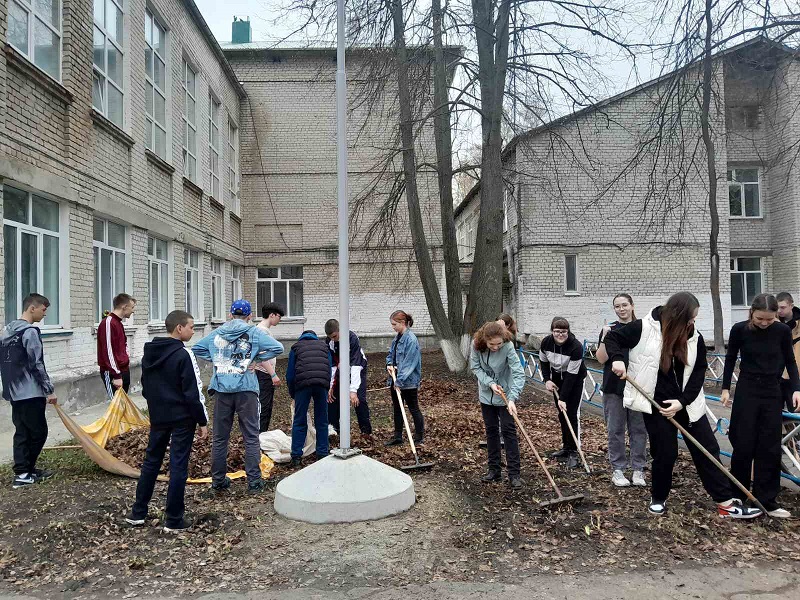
308	335
13	327
159	350
233	329
795	317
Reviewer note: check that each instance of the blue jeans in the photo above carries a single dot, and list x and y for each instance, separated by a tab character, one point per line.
302	398
179	450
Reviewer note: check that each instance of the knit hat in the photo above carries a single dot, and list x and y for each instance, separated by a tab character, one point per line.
241	308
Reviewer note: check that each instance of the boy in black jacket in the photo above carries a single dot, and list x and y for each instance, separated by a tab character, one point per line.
174	393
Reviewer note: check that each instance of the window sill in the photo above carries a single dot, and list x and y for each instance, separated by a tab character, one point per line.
21	62
188	183
741	218
157	327
285	320
235	217
159	162
570	294
216	203
55	333
129	329
112	128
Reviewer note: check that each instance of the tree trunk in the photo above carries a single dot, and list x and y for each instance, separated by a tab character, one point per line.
713	245
448	341
485	298
444	159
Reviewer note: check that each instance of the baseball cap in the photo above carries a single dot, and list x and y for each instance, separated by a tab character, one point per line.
241	307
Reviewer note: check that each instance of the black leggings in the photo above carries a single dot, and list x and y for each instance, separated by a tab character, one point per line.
412	402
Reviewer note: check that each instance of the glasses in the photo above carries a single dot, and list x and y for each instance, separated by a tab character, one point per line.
560	331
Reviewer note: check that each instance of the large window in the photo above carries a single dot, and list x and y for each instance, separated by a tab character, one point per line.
189	123
216	289
31	238
571	273
236	282
158	268
191	259
283	285
107	84
155	89
109	265
34	28
233	166
744	193
214	109
746	280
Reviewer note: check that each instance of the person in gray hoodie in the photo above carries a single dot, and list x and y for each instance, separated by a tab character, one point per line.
496	365
27	386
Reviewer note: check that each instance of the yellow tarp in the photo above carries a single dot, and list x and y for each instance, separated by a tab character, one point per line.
123	415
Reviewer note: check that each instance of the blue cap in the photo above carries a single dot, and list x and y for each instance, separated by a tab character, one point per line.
241	307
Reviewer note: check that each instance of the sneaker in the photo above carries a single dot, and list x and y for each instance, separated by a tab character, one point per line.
217	490
134	522
492	476
42	474
572	460
23	480
780	513
618	479
734	509
332	432
638	479
419	442
657	508
563	453
296	462
184	525
516	483
395	441
256	487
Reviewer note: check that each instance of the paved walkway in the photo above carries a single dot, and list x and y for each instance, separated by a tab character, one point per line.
58	433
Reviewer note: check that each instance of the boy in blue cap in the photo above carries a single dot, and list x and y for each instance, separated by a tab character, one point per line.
232	348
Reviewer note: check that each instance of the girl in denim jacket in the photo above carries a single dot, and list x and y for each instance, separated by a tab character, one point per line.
405	359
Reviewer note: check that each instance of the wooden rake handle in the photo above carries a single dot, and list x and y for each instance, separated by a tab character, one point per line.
688	436
572	431
403	411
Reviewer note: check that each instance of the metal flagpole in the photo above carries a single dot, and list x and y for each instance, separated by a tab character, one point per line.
344	251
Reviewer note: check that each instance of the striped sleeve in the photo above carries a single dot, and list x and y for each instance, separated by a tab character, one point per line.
193	391
112	362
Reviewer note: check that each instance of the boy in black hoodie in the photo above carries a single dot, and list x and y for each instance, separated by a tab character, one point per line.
174	392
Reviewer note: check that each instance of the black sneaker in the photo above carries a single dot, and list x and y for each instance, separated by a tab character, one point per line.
256	487
572	460
419	442
657	508
184	525
42	474
492	476
515	483
296	461
395	441
23	480
218	489
563	453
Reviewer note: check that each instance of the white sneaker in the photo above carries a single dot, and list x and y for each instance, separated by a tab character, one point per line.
638	479
780	513
618	479
331	431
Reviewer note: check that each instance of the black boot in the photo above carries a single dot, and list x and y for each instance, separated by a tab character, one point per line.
492	476
515	483
563	453
397	440
572	460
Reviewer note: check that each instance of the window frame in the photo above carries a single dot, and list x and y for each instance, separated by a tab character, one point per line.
217	289
197	272
152	258
186	151
214	151
279	279
154	20
233	166
102	74
236	282
567	290
732	182
104	245
735	271
29	6
38	233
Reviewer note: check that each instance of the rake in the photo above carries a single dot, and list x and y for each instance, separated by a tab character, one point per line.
417	465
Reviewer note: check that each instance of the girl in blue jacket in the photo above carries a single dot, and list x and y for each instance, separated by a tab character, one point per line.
496	365
405	359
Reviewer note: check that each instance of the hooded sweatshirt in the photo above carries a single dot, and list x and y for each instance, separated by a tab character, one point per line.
231	349
563	365
501	367
22	362
171	384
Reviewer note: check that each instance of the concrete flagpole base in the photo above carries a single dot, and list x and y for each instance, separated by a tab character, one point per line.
337	490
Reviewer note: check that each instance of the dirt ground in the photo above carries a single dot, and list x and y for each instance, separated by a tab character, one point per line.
66	537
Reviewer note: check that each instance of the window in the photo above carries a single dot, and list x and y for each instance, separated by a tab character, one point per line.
746	280
461	236
107	87
236	282
155	89
110	259
34	28
233	165
571	273
283	285
216	289
191	260
31	241
213	147
744	193
158	267
189	123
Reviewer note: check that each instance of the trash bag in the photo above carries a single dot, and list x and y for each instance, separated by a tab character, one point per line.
278	446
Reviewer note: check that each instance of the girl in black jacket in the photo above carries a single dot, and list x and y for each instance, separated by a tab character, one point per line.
765	346
563	369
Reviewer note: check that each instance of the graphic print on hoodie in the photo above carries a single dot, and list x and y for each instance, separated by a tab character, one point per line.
232	357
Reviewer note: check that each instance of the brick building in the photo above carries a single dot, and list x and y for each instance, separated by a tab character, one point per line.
584	220
124	136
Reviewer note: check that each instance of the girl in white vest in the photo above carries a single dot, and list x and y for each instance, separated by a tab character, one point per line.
667	357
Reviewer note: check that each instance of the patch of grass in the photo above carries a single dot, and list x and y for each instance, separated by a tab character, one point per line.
66	462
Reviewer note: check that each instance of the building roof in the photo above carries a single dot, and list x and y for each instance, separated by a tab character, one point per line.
515	141
200	21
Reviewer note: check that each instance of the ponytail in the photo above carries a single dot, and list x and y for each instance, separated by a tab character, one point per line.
401	315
